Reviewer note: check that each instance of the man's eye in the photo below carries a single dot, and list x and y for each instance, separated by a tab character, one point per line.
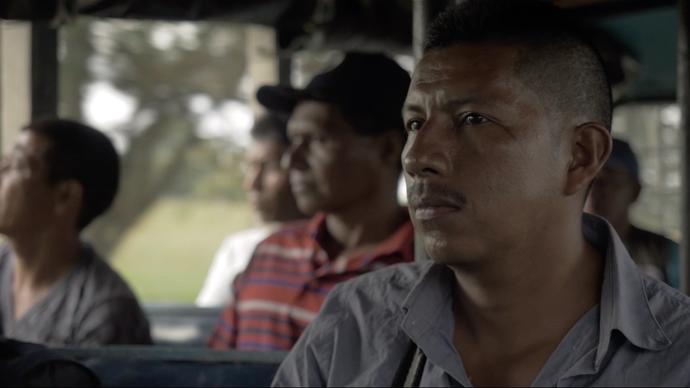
413	125
296	141
321	138
474	119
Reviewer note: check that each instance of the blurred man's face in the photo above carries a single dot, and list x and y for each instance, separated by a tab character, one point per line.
26	196
331	166
266	181
483	166
612	194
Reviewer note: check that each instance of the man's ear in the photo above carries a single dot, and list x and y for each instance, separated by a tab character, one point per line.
390	147
68	197
636	191
590	148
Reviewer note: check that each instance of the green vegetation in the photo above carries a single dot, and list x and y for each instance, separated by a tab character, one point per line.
166	255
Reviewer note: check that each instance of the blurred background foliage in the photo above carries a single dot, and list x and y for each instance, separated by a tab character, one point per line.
179	109
180	189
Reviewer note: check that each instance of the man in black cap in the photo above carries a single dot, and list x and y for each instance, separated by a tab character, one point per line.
612	195
346	137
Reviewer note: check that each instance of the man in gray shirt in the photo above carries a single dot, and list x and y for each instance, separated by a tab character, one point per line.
54	289
508	118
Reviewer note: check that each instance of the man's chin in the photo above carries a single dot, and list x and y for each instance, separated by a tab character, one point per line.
442	251
309	204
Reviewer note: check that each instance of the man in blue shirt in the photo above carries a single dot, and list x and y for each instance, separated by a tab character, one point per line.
508	118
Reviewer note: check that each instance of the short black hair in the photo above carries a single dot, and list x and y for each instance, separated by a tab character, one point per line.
557	59
80	152
271	126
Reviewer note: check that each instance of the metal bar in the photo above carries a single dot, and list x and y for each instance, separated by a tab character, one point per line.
423	12
284	68
421	15
284	60
420	21
44	70
684	105
15	80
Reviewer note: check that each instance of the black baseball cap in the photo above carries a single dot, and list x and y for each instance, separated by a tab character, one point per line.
366	85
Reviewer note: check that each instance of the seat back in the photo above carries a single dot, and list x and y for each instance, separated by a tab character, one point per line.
161	366
181	324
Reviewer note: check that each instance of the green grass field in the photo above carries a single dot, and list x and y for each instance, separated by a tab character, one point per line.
166	255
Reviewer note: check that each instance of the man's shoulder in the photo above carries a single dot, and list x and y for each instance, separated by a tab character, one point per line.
361	318
244	240
292	240
108	298
290	231
259	232
370	304
100	280
395	280
380	291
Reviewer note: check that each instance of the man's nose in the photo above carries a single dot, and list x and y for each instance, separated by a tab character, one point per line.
426	152
294	157
252	179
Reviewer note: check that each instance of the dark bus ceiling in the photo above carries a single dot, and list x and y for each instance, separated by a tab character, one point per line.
644	30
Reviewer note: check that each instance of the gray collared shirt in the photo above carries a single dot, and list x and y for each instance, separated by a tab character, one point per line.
638	335
91	305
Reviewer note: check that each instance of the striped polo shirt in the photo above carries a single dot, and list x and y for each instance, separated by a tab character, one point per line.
287	280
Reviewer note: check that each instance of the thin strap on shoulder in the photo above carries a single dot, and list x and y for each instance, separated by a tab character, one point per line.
414	376
409	373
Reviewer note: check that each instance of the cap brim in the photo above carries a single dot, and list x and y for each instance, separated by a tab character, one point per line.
280	98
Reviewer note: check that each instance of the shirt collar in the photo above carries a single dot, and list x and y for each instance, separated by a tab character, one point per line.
428	300
624	304
428	319
316	228
399	242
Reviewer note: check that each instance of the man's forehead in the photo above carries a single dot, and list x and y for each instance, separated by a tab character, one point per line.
467	59
309	111
30	146
468	73
315	116
264	148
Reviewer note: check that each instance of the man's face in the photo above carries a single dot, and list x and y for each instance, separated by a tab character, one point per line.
331	166
266	181
483	163
612	194
26	196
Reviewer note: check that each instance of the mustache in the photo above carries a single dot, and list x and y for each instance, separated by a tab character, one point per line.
433	194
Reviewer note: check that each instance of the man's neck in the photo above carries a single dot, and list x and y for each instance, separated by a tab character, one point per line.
41	259
622	227
515	310
363	225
